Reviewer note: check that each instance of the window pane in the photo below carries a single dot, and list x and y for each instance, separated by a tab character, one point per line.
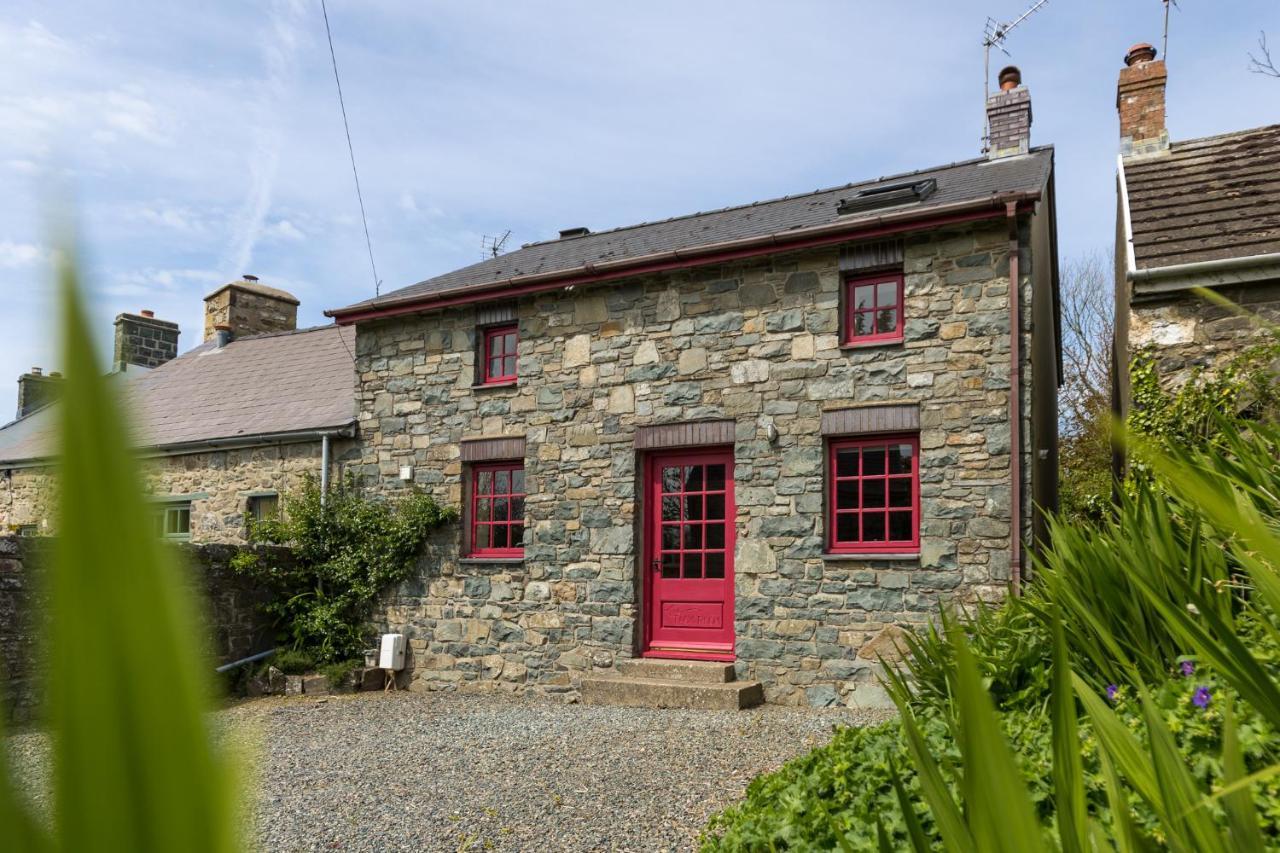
693	508
517	509
900	527
500	507
692	565
482	536
517	481
715	536
861	323
502	482
499	536
900	458
715	506
886	320
693	537
184	520
847	462
484	482
847	527
171	521
887	293
715	565
509	366
872	461
872	493
670	509
495	367
873	527
517	536
671	537
671	565
864	296
671	479
900	491
484	510
846	494
495	346
715	478
693	479
509	343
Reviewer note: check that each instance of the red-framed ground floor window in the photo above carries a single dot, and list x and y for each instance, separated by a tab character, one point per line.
873	502
497	509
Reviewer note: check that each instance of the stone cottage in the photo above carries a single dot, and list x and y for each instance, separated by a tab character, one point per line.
758	439
1190	214
224	429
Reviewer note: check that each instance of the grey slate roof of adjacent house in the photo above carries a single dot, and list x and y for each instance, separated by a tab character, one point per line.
265	385
967	181
1206	199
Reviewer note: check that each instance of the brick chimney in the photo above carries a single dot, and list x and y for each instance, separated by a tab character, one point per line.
35	390
1140	102
249	308
1009	117
144	341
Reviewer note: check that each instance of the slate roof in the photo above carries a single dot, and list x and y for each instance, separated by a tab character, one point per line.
967	181
1207	199
260	385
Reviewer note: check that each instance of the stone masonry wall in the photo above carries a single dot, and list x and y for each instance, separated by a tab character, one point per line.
226	476
234	623
757	343
1187	331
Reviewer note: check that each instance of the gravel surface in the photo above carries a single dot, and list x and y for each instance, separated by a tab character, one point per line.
484	772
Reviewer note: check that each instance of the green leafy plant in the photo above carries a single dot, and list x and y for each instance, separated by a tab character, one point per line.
338	672
135	768
347	549
291	662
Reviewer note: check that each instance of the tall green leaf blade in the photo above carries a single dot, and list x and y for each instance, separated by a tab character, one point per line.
1242	817
1068	771
951	826
135	769
1118	744
1189	828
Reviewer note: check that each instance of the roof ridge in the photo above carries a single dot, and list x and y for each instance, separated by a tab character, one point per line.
1220	136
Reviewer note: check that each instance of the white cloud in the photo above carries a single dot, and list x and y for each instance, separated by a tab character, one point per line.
17	255
150	281
283	229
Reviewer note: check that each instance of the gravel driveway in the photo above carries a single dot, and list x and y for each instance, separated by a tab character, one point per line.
447	772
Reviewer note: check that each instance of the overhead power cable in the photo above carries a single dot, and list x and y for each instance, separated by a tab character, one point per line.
377	284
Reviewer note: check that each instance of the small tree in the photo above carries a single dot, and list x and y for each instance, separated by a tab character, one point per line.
347	550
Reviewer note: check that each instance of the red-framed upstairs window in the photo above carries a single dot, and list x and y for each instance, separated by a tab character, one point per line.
874	495
497	509
498	352
873	309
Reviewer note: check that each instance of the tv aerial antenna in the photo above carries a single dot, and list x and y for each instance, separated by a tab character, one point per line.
491	247
994	35
1164	48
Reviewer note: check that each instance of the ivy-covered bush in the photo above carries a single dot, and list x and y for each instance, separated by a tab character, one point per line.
349	548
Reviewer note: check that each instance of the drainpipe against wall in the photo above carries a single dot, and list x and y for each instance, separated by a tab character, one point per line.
1015	405
324	468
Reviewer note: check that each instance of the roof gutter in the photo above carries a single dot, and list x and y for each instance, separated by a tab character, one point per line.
1129	263
189	447
1220	265
989	207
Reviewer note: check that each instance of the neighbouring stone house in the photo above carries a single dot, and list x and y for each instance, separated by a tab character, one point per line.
766	435
223	429
1190	214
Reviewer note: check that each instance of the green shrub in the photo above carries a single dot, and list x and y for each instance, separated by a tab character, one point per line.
337	672
348	549
291	662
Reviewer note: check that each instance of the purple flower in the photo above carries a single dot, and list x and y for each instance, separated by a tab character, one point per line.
1112	690
1188	668
1201	697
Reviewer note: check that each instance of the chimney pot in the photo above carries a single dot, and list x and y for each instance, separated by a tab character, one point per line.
148	313
1010	78
37	371
221	335
1140	52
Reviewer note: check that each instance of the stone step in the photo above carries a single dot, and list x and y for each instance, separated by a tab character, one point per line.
659	693
693	671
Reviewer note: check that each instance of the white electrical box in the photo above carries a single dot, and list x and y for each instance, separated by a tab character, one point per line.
406	472
391	652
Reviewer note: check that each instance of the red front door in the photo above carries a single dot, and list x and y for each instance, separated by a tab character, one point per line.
689	539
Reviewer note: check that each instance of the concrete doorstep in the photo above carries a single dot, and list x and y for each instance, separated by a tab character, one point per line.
654	683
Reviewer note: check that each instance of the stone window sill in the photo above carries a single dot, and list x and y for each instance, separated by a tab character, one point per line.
868	558
491	561
481	386
847	346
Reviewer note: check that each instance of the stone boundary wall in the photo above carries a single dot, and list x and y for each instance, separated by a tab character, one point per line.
235	625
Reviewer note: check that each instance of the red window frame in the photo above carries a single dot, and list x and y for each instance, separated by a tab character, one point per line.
495	489
499	349
856	306
873	507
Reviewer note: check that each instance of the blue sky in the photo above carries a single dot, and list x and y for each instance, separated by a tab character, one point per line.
203	140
